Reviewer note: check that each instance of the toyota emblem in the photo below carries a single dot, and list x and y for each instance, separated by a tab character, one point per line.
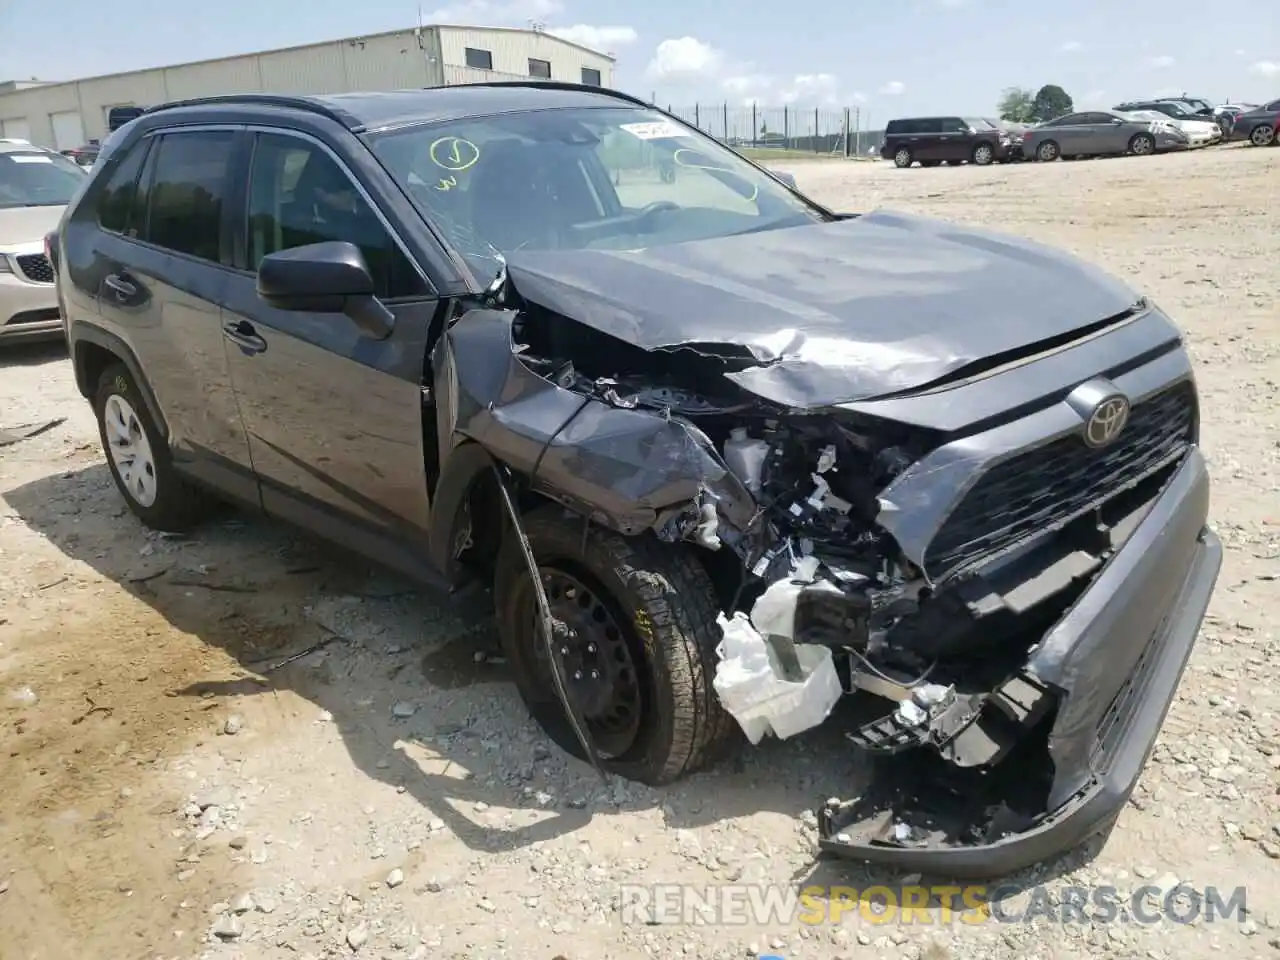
1106	421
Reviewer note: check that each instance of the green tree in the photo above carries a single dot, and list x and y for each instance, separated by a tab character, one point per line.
1016	105
1050	101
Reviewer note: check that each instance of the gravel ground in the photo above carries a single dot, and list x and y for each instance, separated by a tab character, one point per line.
169	791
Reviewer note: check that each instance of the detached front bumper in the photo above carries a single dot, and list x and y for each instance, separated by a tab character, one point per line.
1114	660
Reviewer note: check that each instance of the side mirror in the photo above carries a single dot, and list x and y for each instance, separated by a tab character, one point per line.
329	277
788	178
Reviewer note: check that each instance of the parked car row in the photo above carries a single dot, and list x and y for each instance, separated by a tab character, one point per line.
1137	127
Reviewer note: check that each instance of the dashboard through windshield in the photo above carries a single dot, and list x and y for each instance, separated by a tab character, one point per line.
605	178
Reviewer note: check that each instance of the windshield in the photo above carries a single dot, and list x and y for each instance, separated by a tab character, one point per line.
35	179
979	123
611	178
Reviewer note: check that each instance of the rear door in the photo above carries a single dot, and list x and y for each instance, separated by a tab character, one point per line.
334	417
161	270
926	140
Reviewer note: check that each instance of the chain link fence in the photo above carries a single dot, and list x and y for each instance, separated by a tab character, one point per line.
829	131
768	131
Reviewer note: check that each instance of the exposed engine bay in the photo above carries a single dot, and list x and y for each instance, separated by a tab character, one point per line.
922	577
817	569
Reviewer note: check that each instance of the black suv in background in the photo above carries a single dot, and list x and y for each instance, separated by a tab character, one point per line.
930	141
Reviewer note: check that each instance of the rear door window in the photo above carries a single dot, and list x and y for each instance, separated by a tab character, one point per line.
116	207
929	125
188	191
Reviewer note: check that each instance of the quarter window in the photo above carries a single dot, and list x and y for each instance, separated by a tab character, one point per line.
116	207
478	59
298	195
188	191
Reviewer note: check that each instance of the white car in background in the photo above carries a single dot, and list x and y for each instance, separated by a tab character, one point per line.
35	186
1199	133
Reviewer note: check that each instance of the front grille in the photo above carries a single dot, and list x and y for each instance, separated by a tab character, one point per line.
1047	486
36	267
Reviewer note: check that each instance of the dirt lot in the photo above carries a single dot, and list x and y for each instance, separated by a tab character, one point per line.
386	795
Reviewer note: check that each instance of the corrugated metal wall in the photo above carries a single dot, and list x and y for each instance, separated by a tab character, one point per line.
511	52
382	62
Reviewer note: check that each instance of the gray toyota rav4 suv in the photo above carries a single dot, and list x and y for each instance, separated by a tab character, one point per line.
550	339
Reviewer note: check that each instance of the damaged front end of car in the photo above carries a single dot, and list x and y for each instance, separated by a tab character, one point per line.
1010	601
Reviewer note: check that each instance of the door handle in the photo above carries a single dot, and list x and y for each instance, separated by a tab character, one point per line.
242	334
122	288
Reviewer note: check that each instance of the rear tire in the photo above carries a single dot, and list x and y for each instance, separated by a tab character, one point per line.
1048	151
1142	145
659	602
139	458
902	158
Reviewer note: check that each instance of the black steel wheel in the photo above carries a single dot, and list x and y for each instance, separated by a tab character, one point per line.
635	634
597	657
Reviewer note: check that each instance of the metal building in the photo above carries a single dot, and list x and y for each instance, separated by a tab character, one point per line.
66	115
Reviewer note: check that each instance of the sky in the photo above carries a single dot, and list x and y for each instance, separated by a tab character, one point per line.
882	57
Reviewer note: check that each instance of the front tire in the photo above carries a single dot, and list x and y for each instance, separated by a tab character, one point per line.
1142	145
643	621
903	158
139	459
1263	135
1047	152
983	155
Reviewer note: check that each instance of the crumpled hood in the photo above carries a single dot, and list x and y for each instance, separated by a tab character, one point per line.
832	312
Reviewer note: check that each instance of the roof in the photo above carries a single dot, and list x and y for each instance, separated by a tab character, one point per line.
20	146
374	110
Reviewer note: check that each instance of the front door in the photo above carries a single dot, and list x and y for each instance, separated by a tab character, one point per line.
161	269
334	417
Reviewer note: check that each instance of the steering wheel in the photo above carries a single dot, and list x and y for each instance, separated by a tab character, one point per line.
649	209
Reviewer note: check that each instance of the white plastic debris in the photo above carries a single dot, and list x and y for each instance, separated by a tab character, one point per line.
750	683
774	612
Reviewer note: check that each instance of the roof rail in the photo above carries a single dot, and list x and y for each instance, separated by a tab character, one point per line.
266	100
553	85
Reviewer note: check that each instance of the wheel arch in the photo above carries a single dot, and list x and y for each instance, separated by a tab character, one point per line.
468	488
93	350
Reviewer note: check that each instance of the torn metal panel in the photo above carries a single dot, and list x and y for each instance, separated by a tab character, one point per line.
827	313
621	467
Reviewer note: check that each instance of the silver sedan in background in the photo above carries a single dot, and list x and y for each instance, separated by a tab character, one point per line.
1097	133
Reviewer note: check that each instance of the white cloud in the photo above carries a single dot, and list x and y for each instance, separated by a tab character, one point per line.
494	13
806	89
596	38
1267	68
1160	62
685	58
952	3
1071	46
893	88
1241	53
1093	98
